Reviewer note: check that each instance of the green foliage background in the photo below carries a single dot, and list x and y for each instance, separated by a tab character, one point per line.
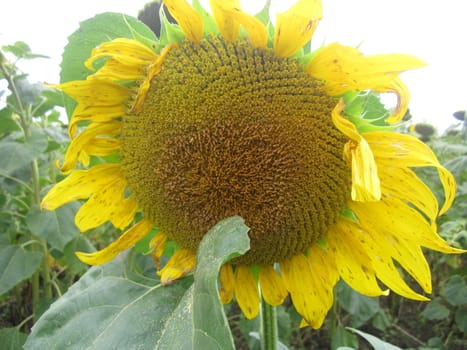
50	300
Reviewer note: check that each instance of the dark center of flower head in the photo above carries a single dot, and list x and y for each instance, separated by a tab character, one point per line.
227	129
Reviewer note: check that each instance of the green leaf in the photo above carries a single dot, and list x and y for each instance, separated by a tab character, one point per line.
16	264
21	50
106	309
92	32
7	123
57	227
361	307
199	321
461	319
455	291
15	155
111	307
343	338
12	339
377	343
434	310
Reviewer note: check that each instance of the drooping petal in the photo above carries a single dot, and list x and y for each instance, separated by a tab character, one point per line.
376	245
394	149
404	184
108	204
189	20
101	147
272	286
128	52
94	92
344	68
97	114
310	296
87	136
295	27
81	184
179	265
227	283
229	16
352	260
365	181
398	220
157	245
246	291
125	241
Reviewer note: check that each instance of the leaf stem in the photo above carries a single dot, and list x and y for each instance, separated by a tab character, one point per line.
268	324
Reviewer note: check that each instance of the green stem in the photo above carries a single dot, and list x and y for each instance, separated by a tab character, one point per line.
43	244
26	121
268	323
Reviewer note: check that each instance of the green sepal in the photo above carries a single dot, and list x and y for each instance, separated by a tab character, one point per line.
142	246
263	15
366	111
322	242
170	33
209	24
347	213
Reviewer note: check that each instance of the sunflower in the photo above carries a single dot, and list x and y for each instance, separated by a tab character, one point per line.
229	115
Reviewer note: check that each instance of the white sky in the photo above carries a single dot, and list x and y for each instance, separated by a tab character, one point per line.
432	30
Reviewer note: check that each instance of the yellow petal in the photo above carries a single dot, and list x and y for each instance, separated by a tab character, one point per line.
81	184
310	296
394	149
246	291
125	51
180	264
227	283
95	92
272	287
107	204
229	17
365	181
115	71
228	26
97	114
87	136
352	261
295	27
323	265
403	183
157	244
125	241
189	20
379	250
101	147
344	68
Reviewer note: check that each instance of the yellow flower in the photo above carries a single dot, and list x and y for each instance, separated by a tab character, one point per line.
237	119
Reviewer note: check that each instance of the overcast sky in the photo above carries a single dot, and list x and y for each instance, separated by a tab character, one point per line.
432	30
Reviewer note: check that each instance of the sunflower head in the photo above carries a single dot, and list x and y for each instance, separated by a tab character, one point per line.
227	114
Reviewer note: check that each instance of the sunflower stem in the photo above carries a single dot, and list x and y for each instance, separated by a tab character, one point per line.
268	326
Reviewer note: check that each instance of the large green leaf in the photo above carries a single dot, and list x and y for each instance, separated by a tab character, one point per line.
199	321
16	264
57	227
377	343
111	307
106	309
92	32
16	154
